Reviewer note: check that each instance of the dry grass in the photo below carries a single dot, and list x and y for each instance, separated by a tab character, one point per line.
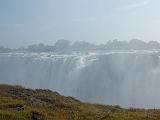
17	103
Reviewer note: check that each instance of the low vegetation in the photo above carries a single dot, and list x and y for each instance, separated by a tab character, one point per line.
18	103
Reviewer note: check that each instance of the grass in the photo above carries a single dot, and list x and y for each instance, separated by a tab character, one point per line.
17	103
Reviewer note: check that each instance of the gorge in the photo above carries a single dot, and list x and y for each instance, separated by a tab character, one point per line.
126	78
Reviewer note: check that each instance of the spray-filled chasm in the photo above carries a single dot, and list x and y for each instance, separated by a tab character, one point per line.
126	79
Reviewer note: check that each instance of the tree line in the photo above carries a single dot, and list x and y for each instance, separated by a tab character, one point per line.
66	45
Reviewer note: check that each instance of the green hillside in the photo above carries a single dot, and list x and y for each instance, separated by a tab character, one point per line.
18	103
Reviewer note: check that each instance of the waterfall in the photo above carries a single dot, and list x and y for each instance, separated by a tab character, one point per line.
123	78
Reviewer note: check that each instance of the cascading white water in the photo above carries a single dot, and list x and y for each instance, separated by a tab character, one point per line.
126	79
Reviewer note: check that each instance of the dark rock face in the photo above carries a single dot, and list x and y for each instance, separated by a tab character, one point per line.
20	107
37	116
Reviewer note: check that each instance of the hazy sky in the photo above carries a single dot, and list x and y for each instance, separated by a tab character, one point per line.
24	22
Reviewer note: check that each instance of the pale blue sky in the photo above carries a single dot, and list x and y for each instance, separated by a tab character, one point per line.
23	22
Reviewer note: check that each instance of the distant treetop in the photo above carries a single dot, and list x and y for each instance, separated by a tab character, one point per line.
67	46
